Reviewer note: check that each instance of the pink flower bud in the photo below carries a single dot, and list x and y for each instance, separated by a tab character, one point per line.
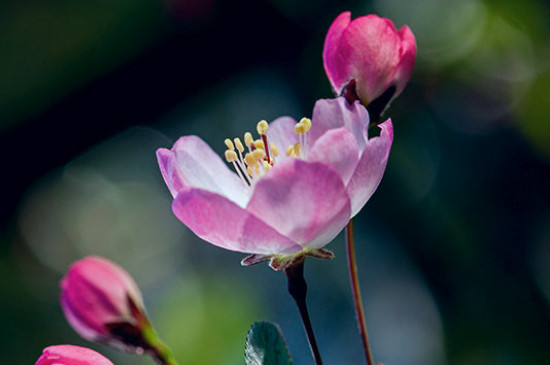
366	57
103	303
71	355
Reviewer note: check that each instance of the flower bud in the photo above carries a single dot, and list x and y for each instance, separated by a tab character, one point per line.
71	355
368	57
103	303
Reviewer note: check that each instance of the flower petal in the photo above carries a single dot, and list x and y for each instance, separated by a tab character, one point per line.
71	355
370	168
305	201
337	148
336	113
281	132
370	47
336	66
169	171
223	223
405	67
193	164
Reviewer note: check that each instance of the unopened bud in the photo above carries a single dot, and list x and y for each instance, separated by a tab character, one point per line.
103	303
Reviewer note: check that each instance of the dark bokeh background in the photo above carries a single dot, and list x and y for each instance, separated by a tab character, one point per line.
454	247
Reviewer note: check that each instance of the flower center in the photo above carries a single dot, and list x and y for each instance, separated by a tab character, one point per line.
260	158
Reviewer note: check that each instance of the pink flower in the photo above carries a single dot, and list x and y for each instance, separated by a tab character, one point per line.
103	303
71	355
368	55
279	204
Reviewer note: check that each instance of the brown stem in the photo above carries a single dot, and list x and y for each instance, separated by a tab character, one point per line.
297	287
354	280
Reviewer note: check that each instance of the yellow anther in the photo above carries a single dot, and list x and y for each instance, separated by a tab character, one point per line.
307	123
262	127
257	169
250	160
229	144
249	170
274	149
299	128
290	150
230	155
248	140
267	166
259	144
258	154
239	144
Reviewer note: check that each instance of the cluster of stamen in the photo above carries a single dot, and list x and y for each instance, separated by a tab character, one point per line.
301	128
260	155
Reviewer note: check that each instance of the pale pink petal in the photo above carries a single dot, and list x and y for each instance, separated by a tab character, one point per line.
71	355
305	201
338	149
281	132
405	67
335	62
193	164
169	171
370	45
370	168
336	113
223	223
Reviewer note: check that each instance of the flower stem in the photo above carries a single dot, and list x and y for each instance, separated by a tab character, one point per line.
163	355
159	351
297	288
354	280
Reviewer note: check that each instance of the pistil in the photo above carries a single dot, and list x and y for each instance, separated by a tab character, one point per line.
262	128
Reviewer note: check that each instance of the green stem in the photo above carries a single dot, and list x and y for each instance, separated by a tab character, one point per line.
158	350
356	291
297	288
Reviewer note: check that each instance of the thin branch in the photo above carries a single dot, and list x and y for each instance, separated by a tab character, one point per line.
356	291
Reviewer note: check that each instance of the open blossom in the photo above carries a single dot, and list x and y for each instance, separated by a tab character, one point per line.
71	355
279	203
103	303
368	56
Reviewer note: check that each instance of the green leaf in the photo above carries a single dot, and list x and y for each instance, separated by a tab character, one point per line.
265	345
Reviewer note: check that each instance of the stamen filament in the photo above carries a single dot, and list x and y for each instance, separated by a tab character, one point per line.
245	171
242	164
240	173
305	146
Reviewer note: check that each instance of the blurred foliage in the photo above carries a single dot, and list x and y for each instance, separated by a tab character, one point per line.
534	114
51	48
207	323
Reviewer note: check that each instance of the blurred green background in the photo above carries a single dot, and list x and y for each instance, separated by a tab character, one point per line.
454	247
